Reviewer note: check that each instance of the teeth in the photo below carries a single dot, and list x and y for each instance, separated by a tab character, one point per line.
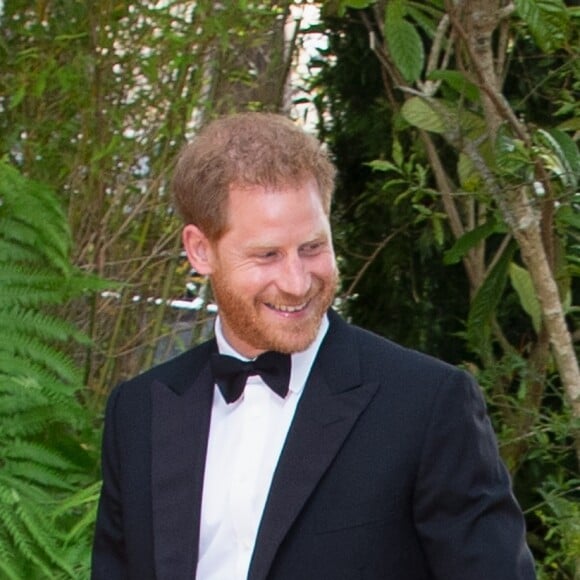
289	308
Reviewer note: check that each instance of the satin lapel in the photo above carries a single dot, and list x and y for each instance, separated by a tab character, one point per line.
325	415
180	426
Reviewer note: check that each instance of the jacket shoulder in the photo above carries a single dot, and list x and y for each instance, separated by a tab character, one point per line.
177	373
379	355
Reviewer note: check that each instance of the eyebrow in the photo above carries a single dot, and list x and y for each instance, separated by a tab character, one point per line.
265	245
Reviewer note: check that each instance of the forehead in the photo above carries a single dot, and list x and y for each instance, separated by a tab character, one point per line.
258	211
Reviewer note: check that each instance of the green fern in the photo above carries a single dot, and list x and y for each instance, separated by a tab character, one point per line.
48	448
28	284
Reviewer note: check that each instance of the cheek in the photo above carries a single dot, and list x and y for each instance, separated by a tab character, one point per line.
325	267
253	282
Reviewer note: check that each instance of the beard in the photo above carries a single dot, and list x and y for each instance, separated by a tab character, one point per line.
245	319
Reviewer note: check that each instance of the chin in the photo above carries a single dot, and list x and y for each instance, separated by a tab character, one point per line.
292	344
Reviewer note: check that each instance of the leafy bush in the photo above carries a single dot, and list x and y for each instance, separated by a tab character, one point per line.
48	446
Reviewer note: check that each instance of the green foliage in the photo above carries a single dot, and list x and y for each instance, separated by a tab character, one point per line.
404	42
514	160
48	448
388	219
472	238
484	305
407	180
548	484
444	117
24	207
458	82
559	513
560	155
522	283
440	119
548	21
421	114
96	100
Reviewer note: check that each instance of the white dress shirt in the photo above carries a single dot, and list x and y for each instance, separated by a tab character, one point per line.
245	441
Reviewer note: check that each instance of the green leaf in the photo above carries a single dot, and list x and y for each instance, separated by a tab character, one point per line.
469	177
485	302
426	16
512	157
397	152
472	124
522	283
404	43
571	125
384	165
566	163
17	97
396	11
417	112
457	81
471	238
567	215
438	231
548	22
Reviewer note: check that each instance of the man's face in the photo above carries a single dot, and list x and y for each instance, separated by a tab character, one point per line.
273	272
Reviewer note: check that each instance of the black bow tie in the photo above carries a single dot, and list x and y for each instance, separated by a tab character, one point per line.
231	373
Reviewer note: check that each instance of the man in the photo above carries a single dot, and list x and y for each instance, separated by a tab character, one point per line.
375	462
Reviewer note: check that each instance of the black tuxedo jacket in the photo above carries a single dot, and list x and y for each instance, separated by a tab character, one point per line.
390	471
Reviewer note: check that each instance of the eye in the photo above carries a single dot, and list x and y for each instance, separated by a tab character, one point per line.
266	255
312	248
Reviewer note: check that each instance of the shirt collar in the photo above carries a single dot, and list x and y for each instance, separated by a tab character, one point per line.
301	361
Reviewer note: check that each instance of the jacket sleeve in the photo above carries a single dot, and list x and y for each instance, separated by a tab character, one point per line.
109	561
470	524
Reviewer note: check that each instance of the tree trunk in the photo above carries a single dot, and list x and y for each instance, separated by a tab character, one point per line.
265	56
479	19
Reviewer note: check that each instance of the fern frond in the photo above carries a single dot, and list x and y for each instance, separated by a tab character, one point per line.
47	439
16	534
24	235
24	526
34	274
18	294
8	566
31	466
39	475
18	370
21	393
18	253
36	210
37	453
85	500
46	544
80	554
40	352
34	296
35	420
33	423
43	325
32	279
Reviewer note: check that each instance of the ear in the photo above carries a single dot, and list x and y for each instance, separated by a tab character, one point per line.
198	248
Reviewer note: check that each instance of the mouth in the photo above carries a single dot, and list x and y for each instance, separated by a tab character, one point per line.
288	309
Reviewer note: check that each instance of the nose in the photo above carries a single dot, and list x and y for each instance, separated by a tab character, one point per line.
294	276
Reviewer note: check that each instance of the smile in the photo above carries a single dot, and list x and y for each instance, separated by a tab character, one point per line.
287	309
